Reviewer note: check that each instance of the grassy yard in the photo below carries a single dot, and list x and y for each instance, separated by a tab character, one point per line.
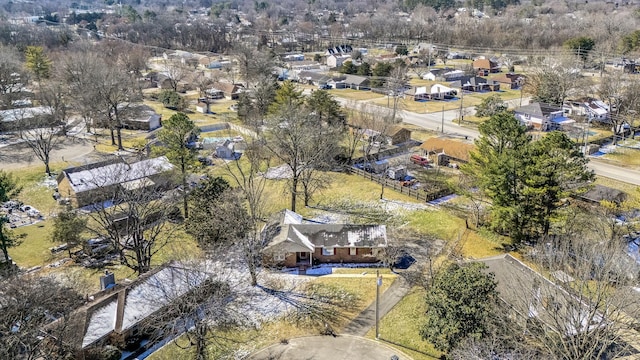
628	157
356	95
400	328
250	340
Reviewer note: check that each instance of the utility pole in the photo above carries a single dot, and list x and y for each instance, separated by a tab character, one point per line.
442	128
461	111
378	285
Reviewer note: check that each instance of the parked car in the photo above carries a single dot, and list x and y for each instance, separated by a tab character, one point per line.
419	160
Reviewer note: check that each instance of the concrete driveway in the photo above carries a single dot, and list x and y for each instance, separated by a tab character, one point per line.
328	347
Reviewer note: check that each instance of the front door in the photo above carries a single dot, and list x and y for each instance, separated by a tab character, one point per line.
302	257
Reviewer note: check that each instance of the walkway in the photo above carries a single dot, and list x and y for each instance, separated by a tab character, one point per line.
367	318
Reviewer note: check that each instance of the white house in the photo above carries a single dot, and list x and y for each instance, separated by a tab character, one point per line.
591	108
336	60
542	117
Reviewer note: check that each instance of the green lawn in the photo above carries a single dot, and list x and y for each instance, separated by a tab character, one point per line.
355	94
400	328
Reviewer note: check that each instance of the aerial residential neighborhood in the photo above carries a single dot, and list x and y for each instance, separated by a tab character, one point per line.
319	180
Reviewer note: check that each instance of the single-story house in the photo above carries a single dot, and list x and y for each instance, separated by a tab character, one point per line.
530	296
226	150
398	135
230	91
312	78
542	117
591	108
145	118
121	313
599	193
486	66
475	84
93	183
435	73
510	80
444	150
9	119
293	243
357	82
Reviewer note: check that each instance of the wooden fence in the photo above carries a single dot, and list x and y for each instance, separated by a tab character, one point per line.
419	194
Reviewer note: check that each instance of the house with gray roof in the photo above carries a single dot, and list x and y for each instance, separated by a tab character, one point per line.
543	117
98	182
292	242
475	84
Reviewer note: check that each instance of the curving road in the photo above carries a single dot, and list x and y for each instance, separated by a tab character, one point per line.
435	121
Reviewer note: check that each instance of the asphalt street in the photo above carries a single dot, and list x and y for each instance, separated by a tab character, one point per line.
434	121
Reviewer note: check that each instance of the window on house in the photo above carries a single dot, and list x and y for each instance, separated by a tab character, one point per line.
353	251
328	251
280	257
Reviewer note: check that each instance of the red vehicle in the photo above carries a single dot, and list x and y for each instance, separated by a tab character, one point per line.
420	160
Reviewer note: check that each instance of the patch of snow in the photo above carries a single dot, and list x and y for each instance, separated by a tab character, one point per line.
103	321
304	239
279	172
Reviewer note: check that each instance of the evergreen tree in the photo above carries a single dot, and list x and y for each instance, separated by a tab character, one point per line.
37	62
459	303
176	133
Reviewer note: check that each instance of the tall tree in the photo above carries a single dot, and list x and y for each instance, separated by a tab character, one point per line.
498	165
68	227
37	62
459	302
325	108
490	106
582	45
136	221
249	181
557	170
43	132
175	135
552	82
12	77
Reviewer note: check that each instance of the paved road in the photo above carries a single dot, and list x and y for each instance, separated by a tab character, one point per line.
342	347
434	121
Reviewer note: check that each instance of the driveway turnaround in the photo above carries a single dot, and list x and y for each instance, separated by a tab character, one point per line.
331	348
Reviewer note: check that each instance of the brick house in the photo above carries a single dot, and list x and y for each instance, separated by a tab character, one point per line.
292	243
486	66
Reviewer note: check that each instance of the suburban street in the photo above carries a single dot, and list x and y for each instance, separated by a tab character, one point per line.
434	121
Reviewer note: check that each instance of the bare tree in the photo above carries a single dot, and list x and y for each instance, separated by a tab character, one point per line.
43	132
589	309
250	182
27	305
137	216
13	78
297	139
175	71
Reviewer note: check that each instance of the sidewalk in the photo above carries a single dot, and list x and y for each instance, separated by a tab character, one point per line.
367	318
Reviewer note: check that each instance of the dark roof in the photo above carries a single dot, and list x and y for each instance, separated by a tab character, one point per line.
473	81
313	76
599	193
538	109
355	79
287	231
